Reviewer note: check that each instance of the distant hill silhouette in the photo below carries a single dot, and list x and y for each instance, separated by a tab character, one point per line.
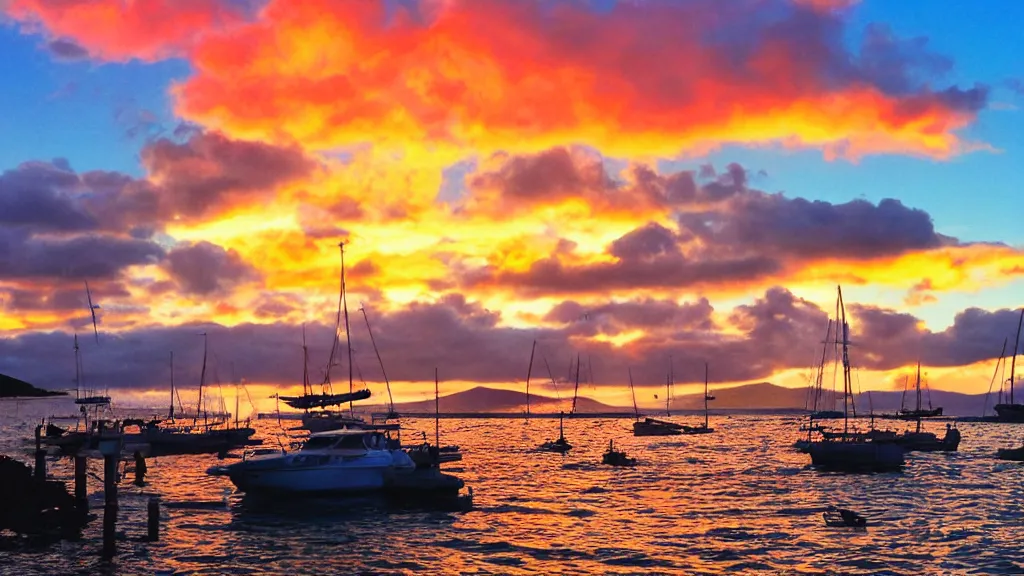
758	396
764	395
484	399
13	388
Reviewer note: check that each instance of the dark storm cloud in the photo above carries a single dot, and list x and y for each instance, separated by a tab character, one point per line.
205	268
39	195
796	228
81	256
209	171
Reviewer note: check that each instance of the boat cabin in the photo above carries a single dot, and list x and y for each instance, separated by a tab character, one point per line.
354	440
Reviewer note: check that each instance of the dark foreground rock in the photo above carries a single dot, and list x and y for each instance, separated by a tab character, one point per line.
39	509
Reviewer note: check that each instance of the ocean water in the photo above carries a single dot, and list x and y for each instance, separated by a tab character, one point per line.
737	501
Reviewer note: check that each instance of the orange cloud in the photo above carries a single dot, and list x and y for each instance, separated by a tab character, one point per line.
122	30
498	74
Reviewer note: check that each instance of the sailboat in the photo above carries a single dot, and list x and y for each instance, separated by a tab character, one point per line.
85	397
852	453
702	428
561	445
918	412
655	427
926	441
322	420
1012	411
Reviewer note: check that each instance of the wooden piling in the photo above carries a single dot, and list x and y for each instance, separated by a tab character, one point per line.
40	469
153	518
81	499
111	450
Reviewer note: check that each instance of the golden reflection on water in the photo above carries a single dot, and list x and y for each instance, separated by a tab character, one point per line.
737	501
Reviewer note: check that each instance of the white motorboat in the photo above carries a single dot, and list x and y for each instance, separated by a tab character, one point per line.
329	462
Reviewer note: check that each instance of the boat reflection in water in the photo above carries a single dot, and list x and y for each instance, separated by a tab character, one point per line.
337	461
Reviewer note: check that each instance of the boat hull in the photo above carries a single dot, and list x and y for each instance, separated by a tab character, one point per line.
1011	454
1010	412
313	474
856	456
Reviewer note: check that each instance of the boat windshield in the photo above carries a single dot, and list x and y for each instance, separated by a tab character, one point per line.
319	443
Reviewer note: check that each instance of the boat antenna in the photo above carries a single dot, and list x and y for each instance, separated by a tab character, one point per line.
437	411
92	311
348	339
632	391
529	372
391	400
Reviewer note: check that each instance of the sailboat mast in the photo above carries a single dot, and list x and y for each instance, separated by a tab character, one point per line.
668	387
1013	361
387	383
821	367
348	339
846	364
632	391
576	390
705	395
437	411
170	411
202	379
529	372
78	371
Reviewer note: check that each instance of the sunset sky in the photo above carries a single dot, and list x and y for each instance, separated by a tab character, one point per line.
627	180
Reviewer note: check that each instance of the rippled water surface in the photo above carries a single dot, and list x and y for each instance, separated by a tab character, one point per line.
737	501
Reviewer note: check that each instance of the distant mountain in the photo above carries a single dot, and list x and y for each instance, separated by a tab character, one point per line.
766	396
14	388
759	396
484	399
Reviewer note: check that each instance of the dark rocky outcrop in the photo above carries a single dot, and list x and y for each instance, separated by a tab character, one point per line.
14	388
37	508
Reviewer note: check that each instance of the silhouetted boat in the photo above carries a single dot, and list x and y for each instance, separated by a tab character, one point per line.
561	445
1012	454
919	440
841	517
848	453
653	427
1012	411
702	428
615	457
84	397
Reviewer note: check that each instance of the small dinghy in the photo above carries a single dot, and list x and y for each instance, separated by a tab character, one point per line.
1011	454
843	518
615	457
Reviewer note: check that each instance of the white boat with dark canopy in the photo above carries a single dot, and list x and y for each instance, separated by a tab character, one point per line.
338	461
